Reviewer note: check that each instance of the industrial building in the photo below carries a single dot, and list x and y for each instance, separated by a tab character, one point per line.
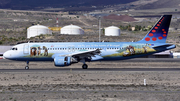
72	30
37	30
112	31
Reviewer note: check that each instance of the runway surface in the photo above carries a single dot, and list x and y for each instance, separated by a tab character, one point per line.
102	91
89	69
103	80
138	64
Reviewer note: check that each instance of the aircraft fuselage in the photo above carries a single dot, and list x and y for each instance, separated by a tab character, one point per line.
109	50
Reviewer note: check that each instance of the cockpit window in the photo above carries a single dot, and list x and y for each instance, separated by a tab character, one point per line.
14	48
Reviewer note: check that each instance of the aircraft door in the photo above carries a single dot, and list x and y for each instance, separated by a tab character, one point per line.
26	49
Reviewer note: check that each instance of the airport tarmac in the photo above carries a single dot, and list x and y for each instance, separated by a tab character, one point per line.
106	80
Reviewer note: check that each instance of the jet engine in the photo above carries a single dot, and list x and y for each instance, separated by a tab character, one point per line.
64	61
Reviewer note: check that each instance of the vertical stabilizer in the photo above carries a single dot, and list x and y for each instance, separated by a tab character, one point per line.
159	32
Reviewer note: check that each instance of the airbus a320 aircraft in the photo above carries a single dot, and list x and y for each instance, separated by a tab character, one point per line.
67	53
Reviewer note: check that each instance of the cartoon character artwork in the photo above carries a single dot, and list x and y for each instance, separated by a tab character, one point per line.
45	51
39	51
35	50
130	50
145	49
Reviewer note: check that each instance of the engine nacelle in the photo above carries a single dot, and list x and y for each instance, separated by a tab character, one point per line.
62	61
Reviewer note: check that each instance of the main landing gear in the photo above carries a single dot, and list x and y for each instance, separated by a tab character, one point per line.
84	66
27	66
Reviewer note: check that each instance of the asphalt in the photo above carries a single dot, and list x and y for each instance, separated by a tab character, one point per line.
89	69
82	91
138	60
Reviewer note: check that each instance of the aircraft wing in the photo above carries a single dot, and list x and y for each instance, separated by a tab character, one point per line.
85	54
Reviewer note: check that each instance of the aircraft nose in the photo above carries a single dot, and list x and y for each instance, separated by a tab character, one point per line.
6	55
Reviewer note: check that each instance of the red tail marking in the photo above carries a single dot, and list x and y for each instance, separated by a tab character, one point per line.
160	38
153	31
154	39
147	39
164	35
151	34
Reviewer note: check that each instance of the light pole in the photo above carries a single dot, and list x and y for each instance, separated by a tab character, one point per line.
99	28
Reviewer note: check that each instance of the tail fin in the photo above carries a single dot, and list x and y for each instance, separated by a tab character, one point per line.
159	32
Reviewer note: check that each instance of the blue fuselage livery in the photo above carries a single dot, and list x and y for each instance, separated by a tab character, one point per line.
67	53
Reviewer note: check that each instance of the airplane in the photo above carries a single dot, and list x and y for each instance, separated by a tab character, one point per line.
67	53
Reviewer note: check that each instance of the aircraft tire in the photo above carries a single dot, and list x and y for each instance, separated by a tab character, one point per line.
26	68
84	66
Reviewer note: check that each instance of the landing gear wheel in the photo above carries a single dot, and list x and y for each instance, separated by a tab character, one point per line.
84	66
26	68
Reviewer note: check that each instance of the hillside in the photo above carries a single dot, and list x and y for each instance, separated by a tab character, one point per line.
161	4
39	4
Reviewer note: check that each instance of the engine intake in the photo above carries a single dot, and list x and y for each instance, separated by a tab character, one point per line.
64	61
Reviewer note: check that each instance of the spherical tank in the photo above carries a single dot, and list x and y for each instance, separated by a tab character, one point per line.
72	30
112	31
37	30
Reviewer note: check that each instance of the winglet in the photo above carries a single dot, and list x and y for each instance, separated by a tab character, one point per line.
159	32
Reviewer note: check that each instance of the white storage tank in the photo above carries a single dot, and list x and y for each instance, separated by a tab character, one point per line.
72	30
112	31
37	30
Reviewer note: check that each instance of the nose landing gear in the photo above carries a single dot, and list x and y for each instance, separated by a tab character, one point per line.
27	67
